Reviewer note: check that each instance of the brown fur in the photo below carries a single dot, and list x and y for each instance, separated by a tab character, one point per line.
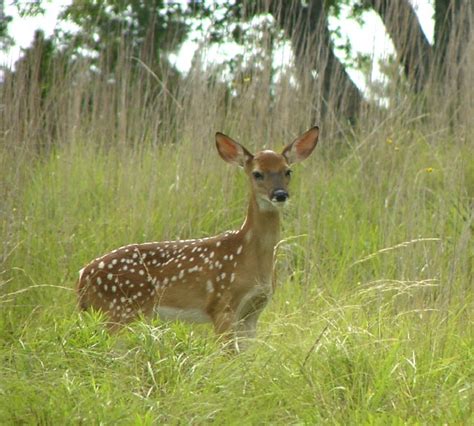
225	279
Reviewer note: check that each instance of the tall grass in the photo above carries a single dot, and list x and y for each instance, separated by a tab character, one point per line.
372	318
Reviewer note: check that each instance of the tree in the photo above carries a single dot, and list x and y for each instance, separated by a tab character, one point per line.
149	28
305	23
114	58
144	28
420	60
5	40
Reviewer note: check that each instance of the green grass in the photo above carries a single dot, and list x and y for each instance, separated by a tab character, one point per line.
371	322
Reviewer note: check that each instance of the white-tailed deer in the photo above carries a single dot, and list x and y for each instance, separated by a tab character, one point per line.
225	279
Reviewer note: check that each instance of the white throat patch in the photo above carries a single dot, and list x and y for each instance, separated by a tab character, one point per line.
265	205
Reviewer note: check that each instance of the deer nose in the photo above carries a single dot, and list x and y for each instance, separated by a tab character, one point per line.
280	195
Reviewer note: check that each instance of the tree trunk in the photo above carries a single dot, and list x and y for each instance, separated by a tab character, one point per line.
451	32
419	59
307	28
412	47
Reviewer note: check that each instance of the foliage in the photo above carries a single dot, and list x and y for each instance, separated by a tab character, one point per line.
151	29
5	40
145	27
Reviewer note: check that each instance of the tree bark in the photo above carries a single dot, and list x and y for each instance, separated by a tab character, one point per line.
306	25
451	32
413	48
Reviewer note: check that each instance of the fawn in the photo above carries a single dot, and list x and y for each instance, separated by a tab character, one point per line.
225	279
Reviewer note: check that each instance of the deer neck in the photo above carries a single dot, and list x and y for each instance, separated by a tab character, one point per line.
262	228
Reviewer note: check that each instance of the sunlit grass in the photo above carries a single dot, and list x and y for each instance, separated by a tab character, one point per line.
370	322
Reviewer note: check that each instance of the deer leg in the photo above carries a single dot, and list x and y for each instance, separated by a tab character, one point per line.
224	319
245	330
246	327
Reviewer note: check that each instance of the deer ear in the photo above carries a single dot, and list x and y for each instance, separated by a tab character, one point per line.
231	151
301	147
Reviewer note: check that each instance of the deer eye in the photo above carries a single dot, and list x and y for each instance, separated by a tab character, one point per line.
257	175
288	173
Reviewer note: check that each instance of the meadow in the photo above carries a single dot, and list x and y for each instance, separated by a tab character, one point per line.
371	322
